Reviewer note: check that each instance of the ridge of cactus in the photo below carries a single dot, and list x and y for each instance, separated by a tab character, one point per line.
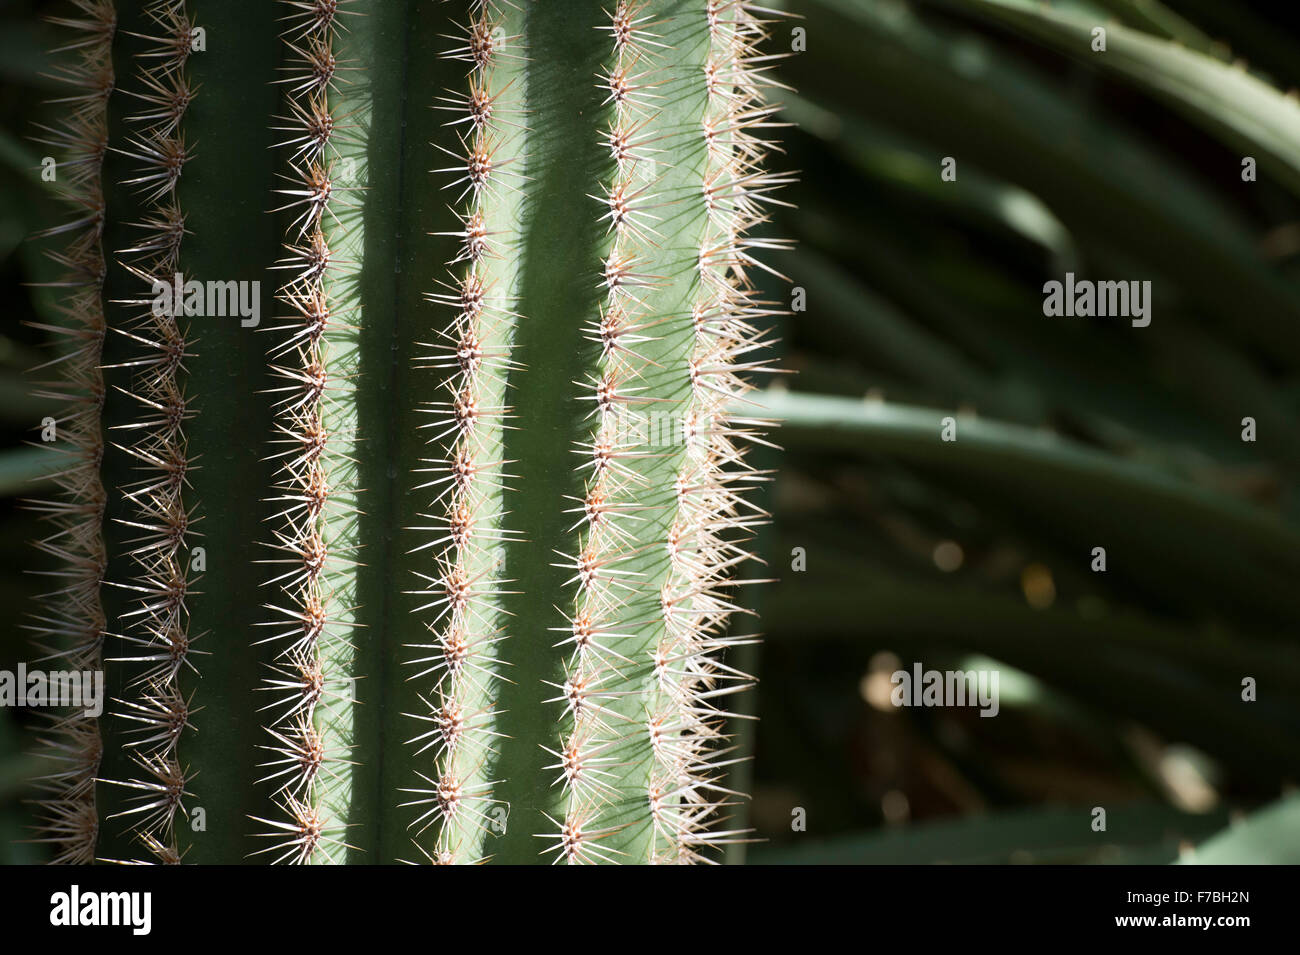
461	590
306	756
71	622
157	639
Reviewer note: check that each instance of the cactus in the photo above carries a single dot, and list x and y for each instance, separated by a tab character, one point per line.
436	563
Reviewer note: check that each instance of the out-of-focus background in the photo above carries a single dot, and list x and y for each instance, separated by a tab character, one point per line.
1121	689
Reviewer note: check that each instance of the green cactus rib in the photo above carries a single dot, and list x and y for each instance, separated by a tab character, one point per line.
147	468
435	564
70	628
308	717
399	46
457	658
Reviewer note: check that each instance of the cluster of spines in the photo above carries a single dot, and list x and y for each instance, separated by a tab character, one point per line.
460	596
593	726
300	760
70	625
707	543
684	715
157	637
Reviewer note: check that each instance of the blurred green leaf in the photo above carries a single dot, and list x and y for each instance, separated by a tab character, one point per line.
1269	837
1165	530
1225	100
1154	17
882	154
1139	832
980	105
1188	687
25	470
24	56
19	157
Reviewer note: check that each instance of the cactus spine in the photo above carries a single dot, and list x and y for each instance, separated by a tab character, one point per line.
469	533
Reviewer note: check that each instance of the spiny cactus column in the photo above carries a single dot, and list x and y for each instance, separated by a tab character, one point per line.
70	626
471	502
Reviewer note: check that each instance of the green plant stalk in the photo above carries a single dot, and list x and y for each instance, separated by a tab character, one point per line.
454	602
